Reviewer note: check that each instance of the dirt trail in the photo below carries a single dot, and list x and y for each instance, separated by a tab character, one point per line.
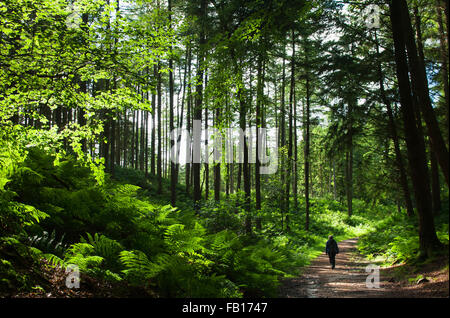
348	279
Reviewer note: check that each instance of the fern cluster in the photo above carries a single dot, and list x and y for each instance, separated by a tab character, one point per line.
123	232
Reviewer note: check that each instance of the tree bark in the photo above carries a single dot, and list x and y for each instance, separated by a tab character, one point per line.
394	136
199	101
159	133
173	168
420	85
444	61
416	152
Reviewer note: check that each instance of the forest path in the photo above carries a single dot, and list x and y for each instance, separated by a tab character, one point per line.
348	279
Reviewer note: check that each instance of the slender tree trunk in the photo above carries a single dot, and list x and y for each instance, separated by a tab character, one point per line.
199	100
295	183
217	163
206	141
245	166
394	135
159	133
146	142
307	124
291	126
173	172
153	131
188	127
259	99
258	126
283	138
181	115
334	181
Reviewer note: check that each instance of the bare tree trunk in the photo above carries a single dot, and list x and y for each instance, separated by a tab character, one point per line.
416	152
283	138
420	86
394	135
444	59
291	126
159	132
173	173
199	99
435	184
206	142
307	124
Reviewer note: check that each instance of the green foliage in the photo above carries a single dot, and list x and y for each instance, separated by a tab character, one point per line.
395	238
10	279
48	243
122	231
106	248
83	256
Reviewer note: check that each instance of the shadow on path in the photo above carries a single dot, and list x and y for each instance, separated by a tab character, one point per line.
348	279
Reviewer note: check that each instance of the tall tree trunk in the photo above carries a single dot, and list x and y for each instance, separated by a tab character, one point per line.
444	60
295	183
206	142
199	101
159	133
181	115
146	142
394	136
349	161
216	163
420	85
188	127
416	152
259	120
258	126
283	137
153	131
306	125
291	126
245	166
173	172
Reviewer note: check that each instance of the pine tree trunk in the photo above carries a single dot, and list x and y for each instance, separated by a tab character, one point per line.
173	173
307	123
199	101
435	184
159	133
416	152
291	125
283	138
420	86
394	135
444	60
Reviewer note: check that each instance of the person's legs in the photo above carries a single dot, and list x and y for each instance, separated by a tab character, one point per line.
332	260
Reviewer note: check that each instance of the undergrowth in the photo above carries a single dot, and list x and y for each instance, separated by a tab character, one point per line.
395	238
54	209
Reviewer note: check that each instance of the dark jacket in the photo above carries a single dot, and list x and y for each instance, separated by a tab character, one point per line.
331	247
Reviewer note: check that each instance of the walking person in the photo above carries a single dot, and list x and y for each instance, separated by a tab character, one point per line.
331	250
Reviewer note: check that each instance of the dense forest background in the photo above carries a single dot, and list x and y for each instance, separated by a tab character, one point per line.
90	91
